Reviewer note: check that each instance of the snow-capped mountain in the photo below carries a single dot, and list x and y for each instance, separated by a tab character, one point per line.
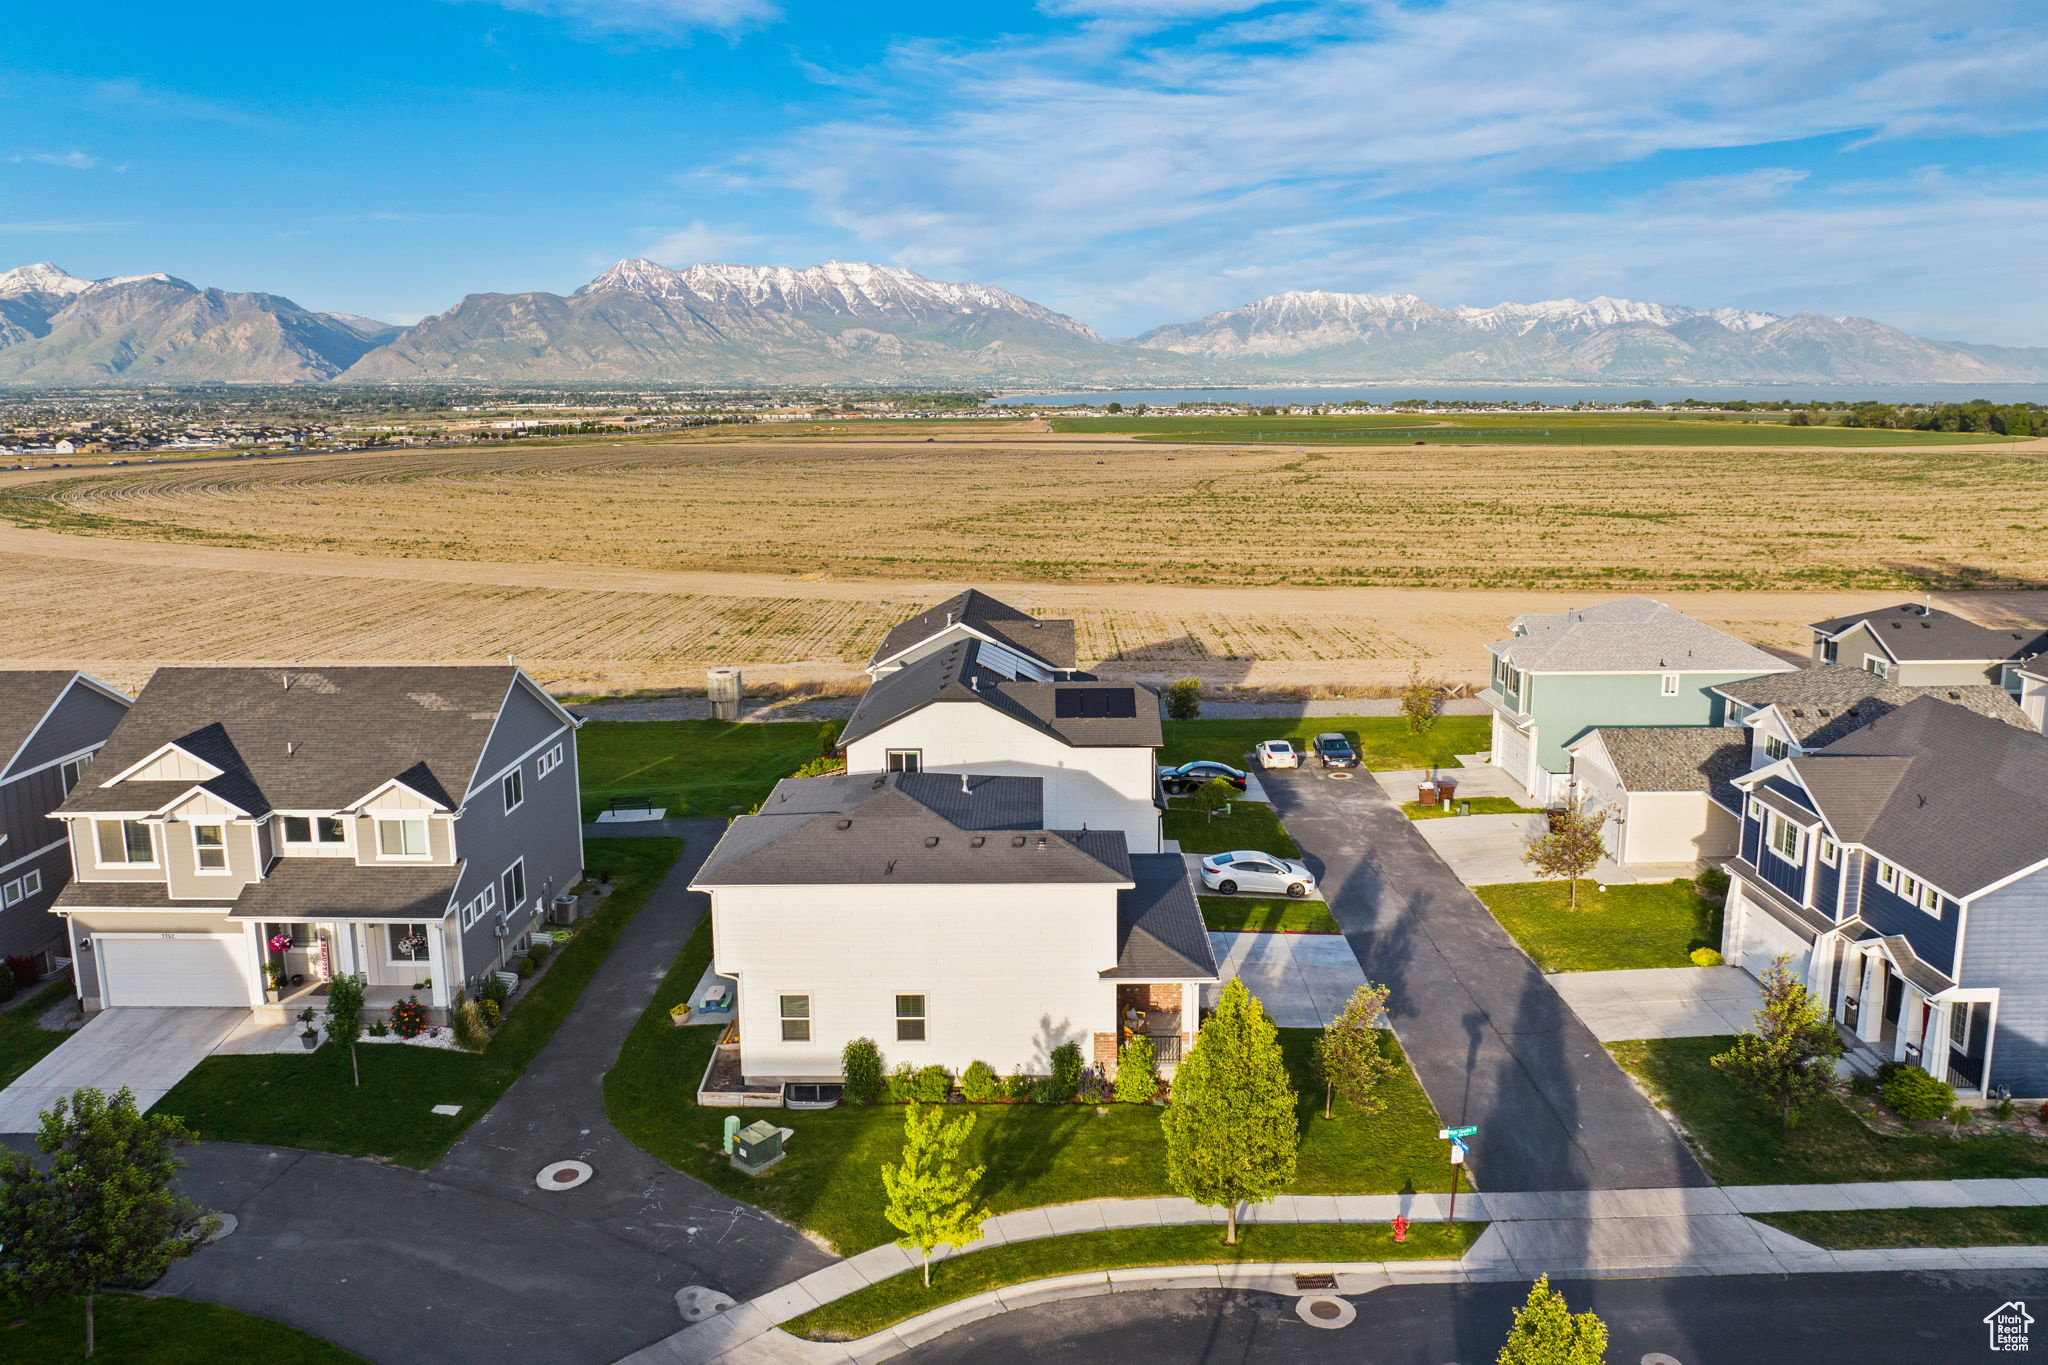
56	328
836	322
1324	335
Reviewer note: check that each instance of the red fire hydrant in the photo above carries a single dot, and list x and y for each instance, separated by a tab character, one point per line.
1400	1226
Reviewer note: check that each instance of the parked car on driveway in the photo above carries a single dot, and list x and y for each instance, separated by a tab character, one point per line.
1231	873
1335	751
1277	753
1188	776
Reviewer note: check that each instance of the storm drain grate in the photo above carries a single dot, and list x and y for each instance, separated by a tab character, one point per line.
1315	1281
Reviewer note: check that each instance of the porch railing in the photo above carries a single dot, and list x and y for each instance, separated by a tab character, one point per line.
1165	1047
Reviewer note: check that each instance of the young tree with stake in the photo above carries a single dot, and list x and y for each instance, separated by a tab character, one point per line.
1349	1053
1570	847
107	1209
931	1195
1420	699
1231	1134
345	1017
1788	1057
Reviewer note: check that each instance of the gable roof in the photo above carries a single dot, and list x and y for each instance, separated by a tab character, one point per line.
909	829
304	739
1912	631
1956	798
1160	935
955	675
1050	642
1631	635
1821	704
26	696
1676	758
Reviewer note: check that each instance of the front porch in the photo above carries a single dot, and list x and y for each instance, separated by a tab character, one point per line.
396	961
1164	1012
1890	1006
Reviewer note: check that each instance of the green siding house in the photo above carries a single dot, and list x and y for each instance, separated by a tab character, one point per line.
1634	662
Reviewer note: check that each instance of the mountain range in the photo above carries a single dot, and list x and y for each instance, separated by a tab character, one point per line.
848	323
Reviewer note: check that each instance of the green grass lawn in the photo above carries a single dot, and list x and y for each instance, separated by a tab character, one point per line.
134	1330
22	1044
1654	924
1494	428
1257	915
1249	825
1035	1154
1481	805
1856	1229
1383	742
309	1099
1740	1142
692	767
890	1301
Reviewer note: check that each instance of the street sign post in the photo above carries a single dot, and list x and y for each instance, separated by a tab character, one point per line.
1459	1151
1453	1134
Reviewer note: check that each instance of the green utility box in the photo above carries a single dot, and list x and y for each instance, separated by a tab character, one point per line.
756	1147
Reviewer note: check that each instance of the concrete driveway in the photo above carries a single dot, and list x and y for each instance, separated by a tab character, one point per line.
1661	1002
1303	980
1486	850
149	1050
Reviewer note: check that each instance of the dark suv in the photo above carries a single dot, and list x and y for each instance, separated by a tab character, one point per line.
1335	751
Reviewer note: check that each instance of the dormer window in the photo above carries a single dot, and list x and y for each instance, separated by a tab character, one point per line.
125	843
1880	669
314	829
1785	838
1830	652
402	838
1775	748
209	848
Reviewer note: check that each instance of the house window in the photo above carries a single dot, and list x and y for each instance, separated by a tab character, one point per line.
126	843
479	906
21	888
515	885
796	1018
1670	684
1828	851
72	772
906	760
910	1019
1880	668
1887	875
1830	652
406	943
1959	1027
548	762
1785	839
1775	748
209	848
2009	679
314	829
402	838
1909	888
515	790
1930	900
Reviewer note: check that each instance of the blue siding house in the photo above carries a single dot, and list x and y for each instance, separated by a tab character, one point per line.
1903	871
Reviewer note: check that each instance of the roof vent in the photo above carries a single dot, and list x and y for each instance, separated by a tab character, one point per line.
880	782
845	824
1041	841
963	784
932	841
291	746
1017	842
890	868
977	841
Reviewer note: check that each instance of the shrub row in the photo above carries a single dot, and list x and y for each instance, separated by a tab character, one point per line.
867	1082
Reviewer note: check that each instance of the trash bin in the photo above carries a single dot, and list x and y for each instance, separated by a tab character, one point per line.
756	1147
1425	795
1445	791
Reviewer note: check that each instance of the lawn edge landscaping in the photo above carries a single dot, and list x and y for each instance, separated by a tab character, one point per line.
1998	1225
21	1022
159	1329
1266	915
973	1271
1481	805
199	1096
1624	927
1385	743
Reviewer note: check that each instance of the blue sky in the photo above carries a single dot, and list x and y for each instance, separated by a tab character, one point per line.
1131	162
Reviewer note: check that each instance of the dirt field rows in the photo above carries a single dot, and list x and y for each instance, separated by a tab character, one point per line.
1066	513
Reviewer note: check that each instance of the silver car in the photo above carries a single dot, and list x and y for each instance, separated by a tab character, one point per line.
1230	873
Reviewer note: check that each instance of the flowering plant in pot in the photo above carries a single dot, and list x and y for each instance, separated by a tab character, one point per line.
308	1035
280	941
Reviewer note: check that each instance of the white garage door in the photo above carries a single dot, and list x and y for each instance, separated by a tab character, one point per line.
1760	939
172	971
1511	751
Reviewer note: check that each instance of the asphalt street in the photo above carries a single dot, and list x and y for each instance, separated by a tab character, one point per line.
1918	1318
472	1262
1489	1039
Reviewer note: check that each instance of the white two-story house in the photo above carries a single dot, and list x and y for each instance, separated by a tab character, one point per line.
248	834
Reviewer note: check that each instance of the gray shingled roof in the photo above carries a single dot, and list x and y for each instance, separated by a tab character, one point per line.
1956	798
328	739
1910	630
1634	634
1051	642
909	829
335	888
26	696
1679	758
1160	933
955	675
1827	701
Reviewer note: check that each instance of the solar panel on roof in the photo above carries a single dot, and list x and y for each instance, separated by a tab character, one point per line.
1094	703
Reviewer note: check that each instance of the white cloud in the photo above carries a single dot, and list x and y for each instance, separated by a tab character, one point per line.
655	17
700	242
72	160
57	225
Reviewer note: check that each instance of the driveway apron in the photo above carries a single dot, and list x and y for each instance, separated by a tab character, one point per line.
1491	1042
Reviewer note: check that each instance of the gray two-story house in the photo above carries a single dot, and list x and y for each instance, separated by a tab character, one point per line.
1903	869
1917	645
250	833
52	723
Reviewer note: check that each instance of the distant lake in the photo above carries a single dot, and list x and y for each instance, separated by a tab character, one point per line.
1561	394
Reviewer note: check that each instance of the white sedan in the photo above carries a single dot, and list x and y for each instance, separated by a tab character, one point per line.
1277	753
1231	873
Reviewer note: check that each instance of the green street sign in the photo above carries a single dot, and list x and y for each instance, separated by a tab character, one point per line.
1464	1132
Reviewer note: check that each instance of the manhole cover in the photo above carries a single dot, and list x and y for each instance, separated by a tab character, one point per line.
1340	776
698	1303
562	1175
1325	1310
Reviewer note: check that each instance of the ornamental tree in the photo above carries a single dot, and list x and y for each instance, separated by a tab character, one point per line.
1788	1058
1350	1055
1420	700
1137	1071
345	1015
1184	699
1213	796
105	1211
1570	847
1231	1132
1546	1332
931	1194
